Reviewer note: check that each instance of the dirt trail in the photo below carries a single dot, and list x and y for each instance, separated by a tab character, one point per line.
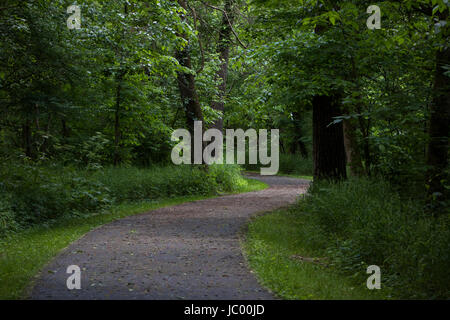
188	251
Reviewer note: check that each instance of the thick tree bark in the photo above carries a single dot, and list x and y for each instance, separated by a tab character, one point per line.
328	140
117	130
188	92
437	156
186	85
223	49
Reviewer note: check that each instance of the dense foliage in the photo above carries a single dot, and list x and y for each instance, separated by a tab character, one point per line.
84	112
35	195
363	222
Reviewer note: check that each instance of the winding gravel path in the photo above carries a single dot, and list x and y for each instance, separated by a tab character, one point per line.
188	251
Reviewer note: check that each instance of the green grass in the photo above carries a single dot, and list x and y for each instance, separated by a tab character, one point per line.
23	254
306	177
270	243
252	185
33	195
365	221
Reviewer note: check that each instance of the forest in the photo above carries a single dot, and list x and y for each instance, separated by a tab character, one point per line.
92	90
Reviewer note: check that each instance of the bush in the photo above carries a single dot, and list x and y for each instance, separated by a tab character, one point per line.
7	217
362	222
228	177
294	164
131	184
289	164
39	194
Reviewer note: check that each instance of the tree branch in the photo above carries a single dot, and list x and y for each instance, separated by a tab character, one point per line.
229	22
199	39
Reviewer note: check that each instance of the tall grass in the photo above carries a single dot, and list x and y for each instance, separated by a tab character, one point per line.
273	244
364	222
31	195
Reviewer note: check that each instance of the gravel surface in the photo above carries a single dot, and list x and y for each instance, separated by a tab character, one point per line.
187	251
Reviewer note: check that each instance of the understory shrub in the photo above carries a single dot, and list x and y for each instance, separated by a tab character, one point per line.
364	222
7	221
31	195
41	194
289	164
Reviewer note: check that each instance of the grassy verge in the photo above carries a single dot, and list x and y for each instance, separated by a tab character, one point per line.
298	176
274	245
306	177
354	224
23	254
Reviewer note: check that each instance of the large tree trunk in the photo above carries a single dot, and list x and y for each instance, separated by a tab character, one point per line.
188	92
186	85
117	130
328	140
223	49
437	157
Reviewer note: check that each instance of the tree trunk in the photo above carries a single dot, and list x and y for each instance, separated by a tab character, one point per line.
223	49
117	132
26	130
328	140
351	146
437	156
188	92
186	85
64	130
